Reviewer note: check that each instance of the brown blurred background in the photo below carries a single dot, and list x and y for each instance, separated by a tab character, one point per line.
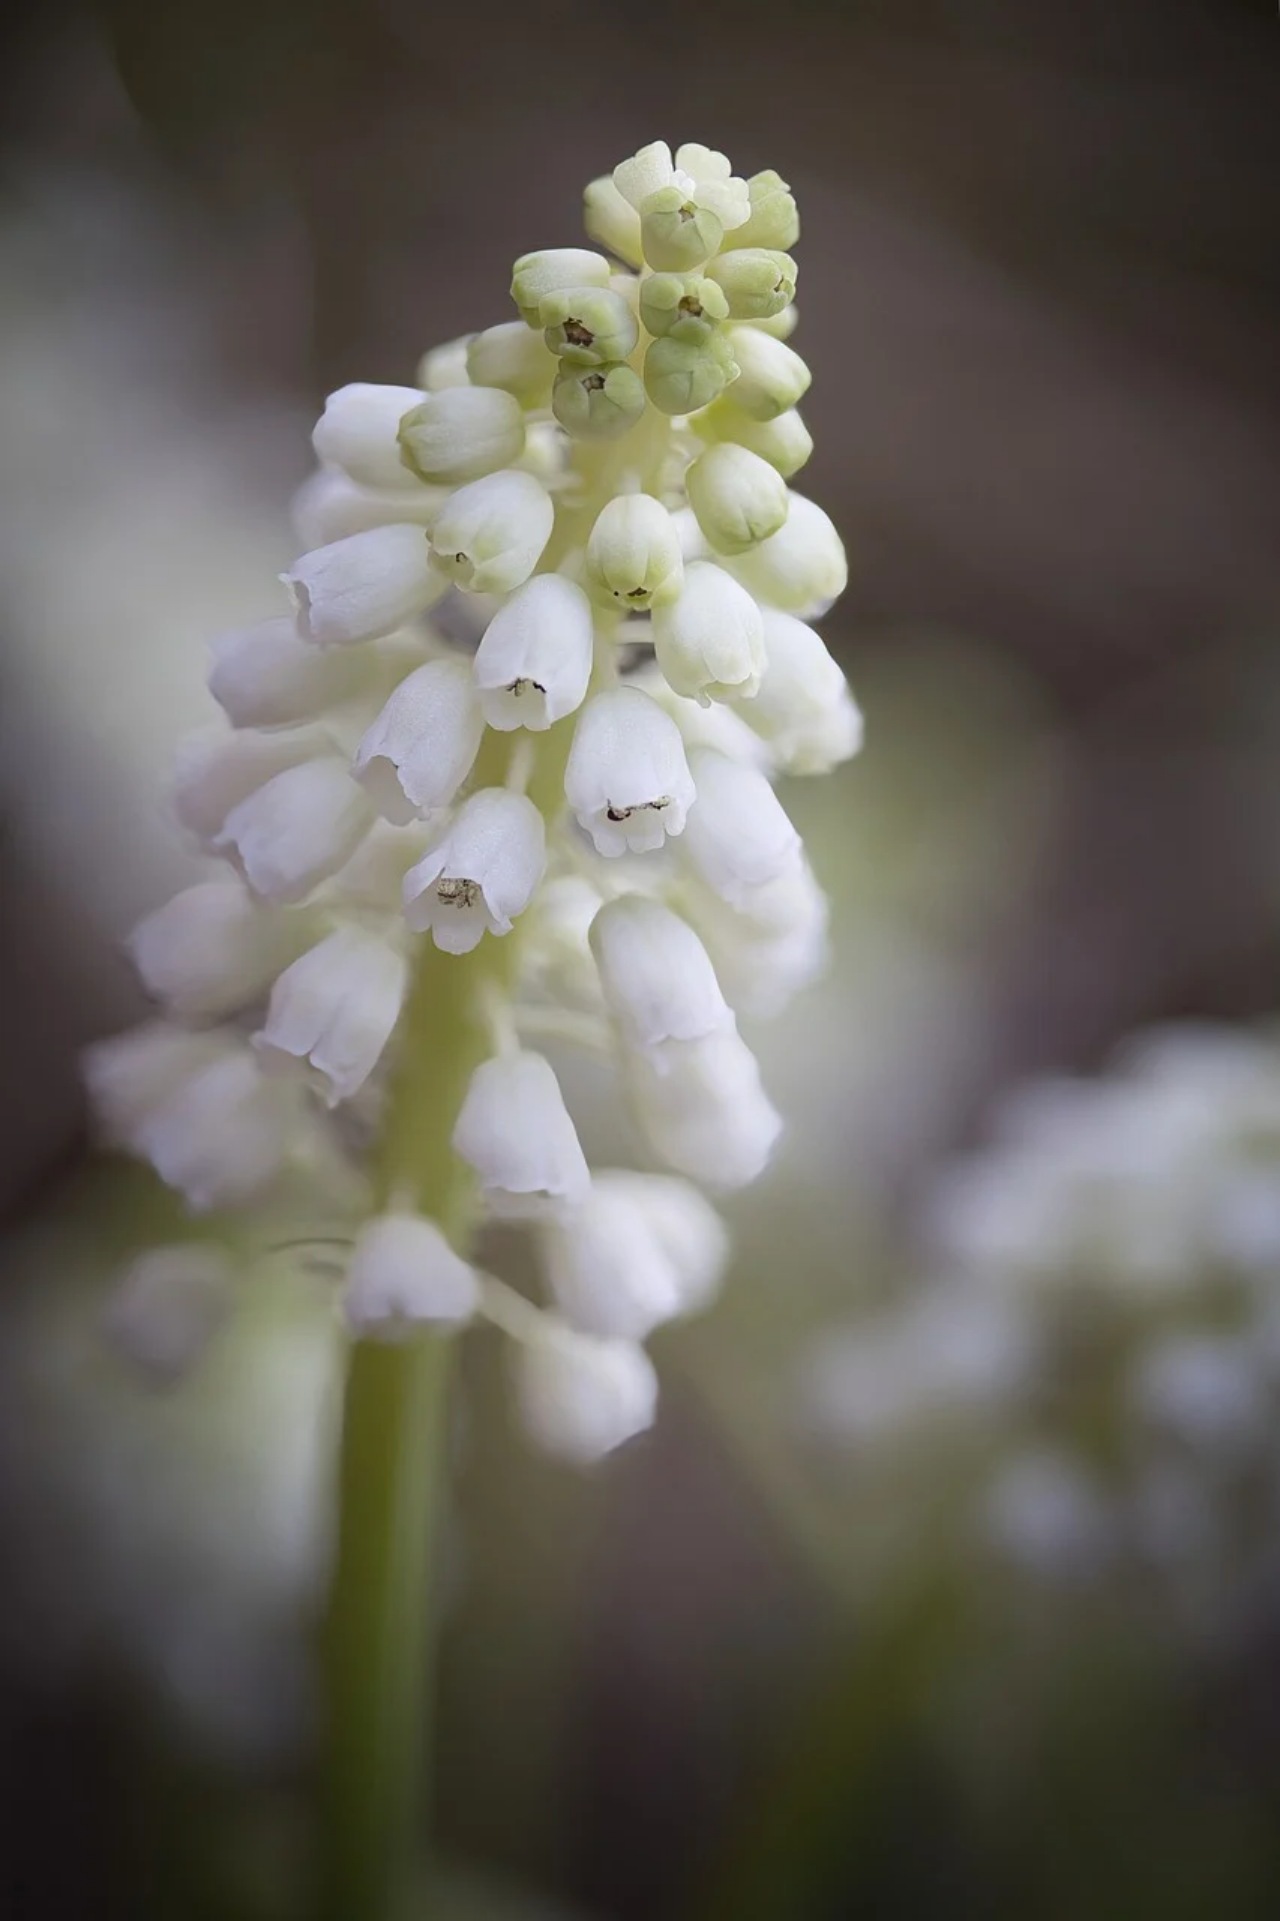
1040	294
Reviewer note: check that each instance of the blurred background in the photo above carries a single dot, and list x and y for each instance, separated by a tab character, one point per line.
950	1578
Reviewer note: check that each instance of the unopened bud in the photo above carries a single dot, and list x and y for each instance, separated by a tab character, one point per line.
758	282
461	434
598	403
785	442
511	357
611	221
588	326
771	376
773	220
681	376
684	306
676	232
549	269
633	554
738	498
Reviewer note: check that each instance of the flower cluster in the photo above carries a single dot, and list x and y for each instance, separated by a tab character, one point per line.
1105	1307
547	649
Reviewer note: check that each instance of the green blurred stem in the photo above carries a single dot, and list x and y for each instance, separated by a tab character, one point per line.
392	1475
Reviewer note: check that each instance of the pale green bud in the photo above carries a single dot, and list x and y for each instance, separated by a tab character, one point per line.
771	375
445	366
544	272
683	305
676	233
785	443
737	497
633	553
461	433
611	222
757	281
511	357
588	326
680	376
780	325
773	220
597	403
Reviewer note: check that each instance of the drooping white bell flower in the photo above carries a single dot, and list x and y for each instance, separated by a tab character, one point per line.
489	536
336	1007
264	676
737	836
404	1276
365	586
612	221
714	725
710	639
737	498
513	357
800	569
168	1304
222	1134
771	946
534	661
627	779
329	506
215	770
772	377
657	979
130	1075
702	1108
297	829
633	553
640	1250
480	874
445	365
803	707
462	433
212	949
514	1130
358	433
703	176
581	1397
419	750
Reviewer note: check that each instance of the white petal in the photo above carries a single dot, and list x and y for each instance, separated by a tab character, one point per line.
357	432
581	1397
710	639
328	506
264	676
627	780
421	747
658	981
737	836
515	1131
462	433
800	569
221	1136
489	536
405	1276
703	1109
803	708
644	173
212	949
214	771
534	661
130	1075
297	829
480	874
641	1249
337	1007
363	587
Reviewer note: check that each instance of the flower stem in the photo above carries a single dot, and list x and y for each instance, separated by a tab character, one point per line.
392	1484
392	1476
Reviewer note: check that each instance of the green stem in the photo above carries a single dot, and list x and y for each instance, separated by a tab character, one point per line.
392	1504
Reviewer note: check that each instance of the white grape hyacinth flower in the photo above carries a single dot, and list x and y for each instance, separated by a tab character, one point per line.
499	769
